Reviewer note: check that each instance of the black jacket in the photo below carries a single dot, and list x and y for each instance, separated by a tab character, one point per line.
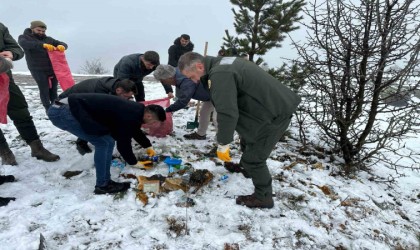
130	67
177	50
101	114
35	54
102	85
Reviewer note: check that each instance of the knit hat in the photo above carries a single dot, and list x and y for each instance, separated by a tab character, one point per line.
163	72
35	24
152	57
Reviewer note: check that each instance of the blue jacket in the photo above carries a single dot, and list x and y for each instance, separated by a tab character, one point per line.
188	90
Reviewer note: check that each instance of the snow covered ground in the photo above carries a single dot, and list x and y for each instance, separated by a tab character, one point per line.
314	207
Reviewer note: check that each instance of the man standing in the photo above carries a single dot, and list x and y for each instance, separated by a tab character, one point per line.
187	89
252	102
101	120
181	46
103	85
135	67
17	108
36	45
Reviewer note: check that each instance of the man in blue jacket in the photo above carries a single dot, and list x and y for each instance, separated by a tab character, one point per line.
103	120
36	45
188	90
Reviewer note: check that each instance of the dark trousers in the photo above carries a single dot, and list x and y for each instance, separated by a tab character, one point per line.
17	110
47	94
255	155
140	92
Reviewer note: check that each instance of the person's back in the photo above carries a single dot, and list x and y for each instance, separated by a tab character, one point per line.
258	93
102	85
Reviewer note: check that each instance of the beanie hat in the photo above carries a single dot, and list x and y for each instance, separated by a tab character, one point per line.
163	72
152	57
35	24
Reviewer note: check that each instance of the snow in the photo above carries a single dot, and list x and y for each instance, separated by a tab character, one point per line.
358	214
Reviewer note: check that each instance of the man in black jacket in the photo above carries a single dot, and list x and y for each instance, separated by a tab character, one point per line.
102	120
17	108
181	46
135	67
36	46
103	85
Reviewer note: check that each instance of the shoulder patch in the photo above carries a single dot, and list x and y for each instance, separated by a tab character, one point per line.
227	60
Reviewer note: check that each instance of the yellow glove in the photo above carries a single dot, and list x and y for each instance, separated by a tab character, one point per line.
61	48
49	47
150	151
223	152
143	165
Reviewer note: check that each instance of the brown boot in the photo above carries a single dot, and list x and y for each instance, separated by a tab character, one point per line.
7	156
252	201
41	153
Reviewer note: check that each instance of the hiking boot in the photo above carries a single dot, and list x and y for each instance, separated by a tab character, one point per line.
41	153
5	200
252	201
6	178
112	187
82	146
7	156
236	168
194	136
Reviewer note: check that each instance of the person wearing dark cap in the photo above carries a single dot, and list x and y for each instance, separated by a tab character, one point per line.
36	45
103	120
17	108
187	90
135	67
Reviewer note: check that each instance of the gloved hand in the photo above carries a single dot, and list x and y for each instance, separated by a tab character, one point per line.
150	151
61	48
49	47
223	152
143	164
6	64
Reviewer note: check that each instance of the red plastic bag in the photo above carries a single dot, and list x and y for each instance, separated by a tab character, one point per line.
61	69
159	129
4	97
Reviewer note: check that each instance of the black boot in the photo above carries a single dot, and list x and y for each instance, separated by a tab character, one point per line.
5	200
6	178
41	153
82	146
112	187
7	156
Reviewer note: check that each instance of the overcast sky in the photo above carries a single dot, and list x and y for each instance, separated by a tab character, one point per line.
108	29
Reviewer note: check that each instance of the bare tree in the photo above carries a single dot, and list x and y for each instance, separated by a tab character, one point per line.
93	67
353	48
